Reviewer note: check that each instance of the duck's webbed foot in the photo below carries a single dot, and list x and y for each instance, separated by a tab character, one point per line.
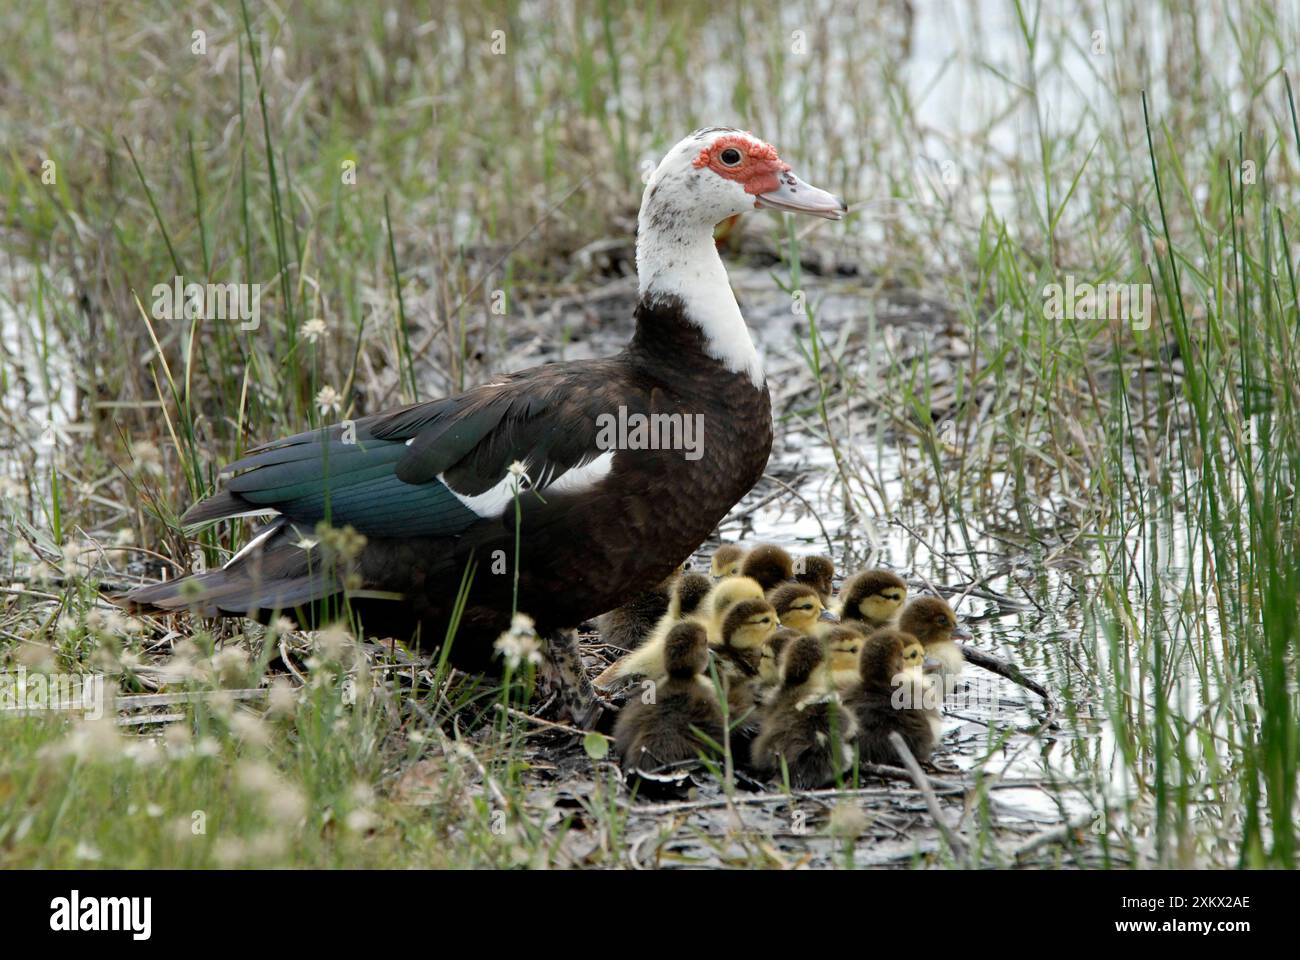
562	674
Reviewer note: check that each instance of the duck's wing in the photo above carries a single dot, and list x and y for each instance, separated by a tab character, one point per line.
433	468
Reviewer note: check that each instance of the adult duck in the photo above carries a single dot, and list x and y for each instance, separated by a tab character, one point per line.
433	486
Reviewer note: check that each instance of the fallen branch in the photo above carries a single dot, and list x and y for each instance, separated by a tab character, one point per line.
1065	833
146	700
922	782
1007	669
547	724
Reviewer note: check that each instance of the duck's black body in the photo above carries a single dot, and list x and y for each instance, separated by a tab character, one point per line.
583	550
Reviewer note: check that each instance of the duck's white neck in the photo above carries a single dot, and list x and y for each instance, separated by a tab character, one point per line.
677	256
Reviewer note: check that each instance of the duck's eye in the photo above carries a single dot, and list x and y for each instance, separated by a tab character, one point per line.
729	157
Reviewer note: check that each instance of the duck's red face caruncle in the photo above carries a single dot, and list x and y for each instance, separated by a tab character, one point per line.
751	163
755	166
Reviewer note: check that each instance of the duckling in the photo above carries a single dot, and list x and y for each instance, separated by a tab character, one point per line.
932	621
628	625
684	718
769	671
871	598
885	699
925	675
818	572
726	561
746	630
799	607
688	592
769	564
804	724
648	659
720	599
843	647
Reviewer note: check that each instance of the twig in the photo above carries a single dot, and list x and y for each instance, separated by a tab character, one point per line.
663	809
1004	668
146	700
1062	834
284	658
830	546
548	724
148	718
955	844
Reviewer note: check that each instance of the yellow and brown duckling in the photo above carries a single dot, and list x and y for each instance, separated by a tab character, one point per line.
683	719
892	697
688	593
872	599
746	631
725	594
648	659
818	572
843	650
773	566
769	667
932	622
746	627
805	727
769	564
727	561
800	607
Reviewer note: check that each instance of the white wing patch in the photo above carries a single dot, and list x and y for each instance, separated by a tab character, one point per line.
255	543
583	478
494	501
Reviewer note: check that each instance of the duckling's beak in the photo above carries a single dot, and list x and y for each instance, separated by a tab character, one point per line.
795	196
961	632
931	665
827	616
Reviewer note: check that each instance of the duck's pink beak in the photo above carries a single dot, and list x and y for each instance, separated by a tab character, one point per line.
793	195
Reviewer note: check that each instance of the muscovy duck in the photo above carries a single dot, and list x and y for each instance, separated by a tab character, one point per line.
726	561
799	606
872	599
932	622
890	661
647	659
433	486
806	732
683	720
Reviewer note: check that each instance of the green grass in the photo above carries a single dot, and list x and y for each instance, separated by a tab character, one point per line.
1156	495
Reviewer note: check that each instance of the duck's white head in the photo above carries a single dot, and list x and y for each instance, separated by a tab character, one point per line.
717	172
707	177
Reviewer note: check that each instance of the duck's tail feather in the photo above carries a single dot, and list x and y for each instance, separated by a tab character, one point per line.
219	506
272	574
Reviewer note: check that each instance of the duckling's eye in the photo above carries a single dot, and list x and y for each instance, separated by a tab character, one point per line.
730	157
